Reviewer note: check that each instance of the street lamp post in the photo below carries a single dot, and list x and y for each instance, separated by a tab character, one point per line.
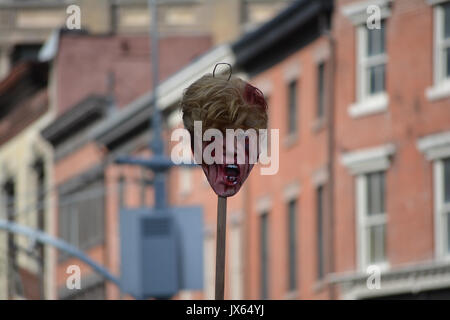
159	163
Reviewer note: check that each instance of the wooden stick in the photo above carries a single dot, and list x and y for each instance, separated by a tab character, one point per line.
220	248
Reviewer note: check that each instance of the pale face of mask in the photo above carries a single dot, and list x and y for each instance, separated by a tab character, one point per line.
226	178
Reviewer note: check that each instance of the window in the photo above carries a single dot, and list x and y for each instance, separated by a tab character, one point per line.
441	86
442	42
444	45
236	270
446	204
372	60
292	245
292	108
436	148
320	90
209	262
371	71
185	181
264	255
39	173
40	192
122	191
319	234
442	196
372	217
25	52
81	216
14	288
369	167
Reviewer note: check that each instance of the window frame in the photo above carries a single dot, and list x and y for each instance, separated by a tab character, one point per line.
441	82
236	257
436	148
359	163
264	272
440	43
292	105
292	245
367	103
77	225
321	90
366	221
320	239
365	62
441	211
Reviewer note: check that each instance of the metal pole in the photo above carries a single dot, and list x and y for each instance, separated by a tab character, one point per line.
43	237
157	144
220	247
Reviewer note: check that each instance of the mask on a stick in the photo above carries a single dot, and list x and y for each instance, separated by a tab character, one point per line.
220	103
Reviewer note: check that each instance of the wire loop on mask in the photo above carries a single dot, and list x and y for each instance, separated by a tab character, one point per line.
229	65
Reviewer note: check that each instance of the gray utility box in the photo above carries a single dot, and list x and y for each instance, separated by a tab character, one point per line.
161	252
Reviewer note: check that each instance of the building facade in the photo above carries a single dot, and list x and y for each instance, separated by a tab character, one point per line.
25	159
391	107
89	188
25	25
359	206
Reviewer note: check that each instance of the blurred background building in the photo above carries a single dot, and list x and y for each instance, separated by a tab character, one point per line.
364	131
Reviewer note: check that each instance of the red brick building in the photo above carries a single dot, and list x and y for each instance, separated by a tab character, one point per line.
123	67
363	186
24	111
364	176
88	189
391	148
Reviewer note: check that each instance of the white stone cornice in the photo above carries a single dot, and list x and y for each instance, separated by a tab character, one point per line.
435	146
291	191
369	159
357	12
320	176
263	205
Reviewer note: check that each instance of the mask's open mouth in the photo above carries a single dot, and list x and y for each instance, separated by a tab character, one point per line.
232	173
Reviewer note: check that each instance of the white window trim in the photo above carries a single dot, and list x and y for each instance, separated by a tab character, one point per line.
266	86
291	191
320	176
441	84
208	264
369	159
292	72
359	163
372	105
436	147
363	222
184	181
440	210
357	12
322	53
236	255
366	104
263	205
175	120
